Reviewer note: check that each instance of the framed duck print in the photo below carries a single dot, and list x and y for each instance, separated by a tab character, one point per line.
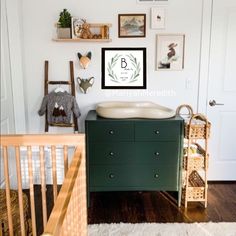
170	51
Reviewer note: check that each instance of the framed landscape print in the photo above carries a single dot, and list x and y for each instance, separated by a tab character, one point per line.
131	25
170	51
123	68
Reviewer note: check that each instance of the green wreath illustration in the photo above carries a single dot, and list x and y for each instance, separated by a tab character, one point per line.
134	76
111	65
135	63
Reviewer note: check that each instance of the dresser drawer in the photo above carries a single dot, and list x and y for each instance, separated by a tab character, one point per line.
160	153
139	176
111	131
158	130
112	153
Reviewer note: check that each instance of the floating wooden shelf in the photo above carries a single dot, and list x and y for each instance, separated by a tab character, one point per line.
82	40
104	33
94	25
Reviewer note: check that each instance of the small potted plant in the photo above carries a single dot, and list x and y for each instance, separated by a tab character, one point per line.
64	25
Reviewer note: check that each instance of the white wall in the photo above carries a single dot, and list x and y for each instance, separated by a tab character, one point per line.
183	16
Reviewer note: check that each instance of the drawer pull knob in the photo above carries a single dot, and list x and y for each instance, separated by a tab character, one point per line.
111	131
156	131
111	153
157	154
156	176
111	176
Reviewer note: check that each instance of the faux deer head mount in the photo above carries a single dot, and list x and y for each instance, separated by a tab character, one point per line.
84	60
85	84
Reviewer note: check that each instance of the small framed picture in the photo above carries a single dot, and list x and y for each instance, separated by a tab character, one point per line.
131	25
158	18
153	2
123	68
170	51
76	26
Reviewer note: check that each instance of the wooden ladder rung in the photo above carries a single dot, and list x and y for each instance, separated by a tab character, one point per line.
61	125
59	82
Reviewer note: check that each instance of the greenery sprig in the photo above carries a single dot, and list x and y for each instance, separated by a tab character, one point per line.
134	76
111	65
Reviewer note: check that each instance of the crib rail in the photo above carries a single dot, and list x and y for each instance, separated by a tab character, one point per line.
69	215
73	188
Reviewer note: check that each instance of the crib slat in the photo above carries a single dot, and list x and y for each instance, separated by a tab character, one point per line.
32	203
65	159
20	195
8	198
54	173
1	229
43	185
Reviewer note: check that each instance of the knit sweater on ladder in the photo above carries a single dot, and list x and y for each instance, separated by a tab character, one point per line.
59	107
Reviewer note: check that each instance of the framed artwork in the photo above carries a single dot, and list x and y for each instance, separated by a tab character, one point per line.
123	68
170	51
131	25
76	24
157	2
158	18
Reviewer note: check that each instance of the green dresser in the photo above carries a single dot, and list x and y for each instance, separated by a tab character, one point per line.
133	154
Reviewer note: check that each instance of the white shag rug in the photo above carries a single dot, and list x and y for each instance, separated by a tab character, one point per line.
165	229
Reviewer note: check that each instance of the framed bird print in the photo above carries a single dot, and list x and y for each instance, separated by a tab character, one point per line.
170	51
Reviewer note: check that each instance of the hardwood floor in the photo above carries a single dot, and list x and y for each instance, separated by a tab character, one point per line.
159	207
139	207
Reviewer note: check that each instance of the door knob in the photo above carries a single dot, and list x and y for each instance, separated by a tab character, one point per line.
213	103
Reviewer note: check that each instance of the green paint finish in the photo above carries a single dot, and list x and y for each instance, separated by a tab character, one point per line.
133	188
111	131
133	154
133	176
156	131
112	153
161	153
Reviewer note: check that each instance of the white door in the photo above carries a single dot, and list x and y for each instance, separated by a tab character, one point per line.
221	104
7	114
7	124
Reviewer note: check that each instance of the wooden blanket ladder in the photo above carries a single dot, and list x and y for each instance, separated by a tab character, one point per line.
70	83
